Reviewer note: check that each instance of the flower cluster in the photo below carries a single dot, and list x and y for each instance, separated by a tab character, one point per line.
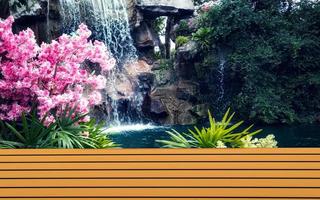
267	142
220	145
249	142
206	6
51	76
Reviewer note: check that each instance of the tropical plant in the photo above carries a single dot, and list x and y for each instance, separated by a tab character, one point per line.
159	25
218	135
181	40
183	28
29	133
203	37
66	132
95	131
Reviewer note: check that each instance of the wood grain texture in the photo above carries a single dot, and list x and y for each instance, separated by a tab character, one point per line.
170	174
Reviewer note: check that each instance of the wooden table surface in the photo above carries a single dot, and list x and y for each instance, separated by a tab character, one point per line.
160	174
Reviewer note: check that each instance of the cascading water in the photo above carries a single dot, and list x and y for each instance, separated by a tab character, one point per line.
221	100
108	21
221	76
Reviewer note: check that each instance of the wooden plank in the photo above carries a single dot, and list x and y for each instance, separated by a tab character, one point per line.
160	174
162	158
152	165
160	192
289	151
308	183
163	174
186	198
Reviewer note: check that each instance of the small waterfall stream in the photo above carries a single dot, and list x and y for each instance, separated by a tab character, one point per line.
108	20
221	76
220	103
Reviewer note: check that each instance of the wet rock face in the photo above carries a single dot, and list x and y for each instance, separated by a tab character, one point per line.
35	14
166	7
185	57
175	104
4	11
20	9
144	36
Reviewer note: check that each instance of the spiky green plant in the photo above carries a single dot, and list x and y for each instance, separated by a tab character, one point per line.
29	133
97	134
66	132
223	131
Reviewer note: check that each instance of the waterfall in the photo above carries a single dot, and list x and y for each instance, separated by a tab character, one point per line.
221	100
221	76
71	15
108	20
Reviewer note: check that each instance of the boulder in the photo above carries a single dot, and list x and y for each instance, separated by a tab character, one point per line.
185	59
163	107
4	11
157	109
122	87
144	36
166	7
200	110
188	91
136	68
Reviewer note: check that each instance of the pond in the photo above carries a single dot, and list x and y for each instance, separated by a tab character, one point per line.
145	136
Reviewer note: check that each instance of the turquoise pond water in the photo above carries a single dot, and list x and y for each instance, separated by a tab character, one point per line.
145	136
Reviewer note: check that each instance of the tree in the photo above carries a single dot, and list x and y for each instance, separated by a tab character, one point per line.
49	77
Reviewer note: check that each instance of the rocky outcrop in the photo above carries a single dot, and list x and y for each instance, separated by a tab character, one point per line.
30	8
144	36
4	11
35	14
175	104
166	7
184	63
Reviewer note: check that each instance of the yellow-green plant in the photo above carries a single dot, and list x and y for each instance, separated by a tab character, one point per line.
217	133
181	40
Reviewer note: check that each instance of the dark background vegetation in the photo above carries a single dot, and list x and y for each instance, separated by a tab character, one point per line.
272	49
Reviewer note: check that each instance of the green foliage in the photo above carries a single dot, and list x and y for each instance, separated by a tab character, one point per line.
66	132
183	28
97	134
273	52
166	64
219	132
203	37
159	25
199	2
181	40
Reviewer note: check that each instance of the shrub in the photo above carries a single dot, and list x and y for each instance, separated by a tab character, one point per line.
183	28
219	135
49	76
181	40
66	132
203	37
271	49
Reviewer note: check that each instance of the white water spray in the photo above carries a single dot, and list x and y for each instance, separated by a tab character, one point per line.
108	21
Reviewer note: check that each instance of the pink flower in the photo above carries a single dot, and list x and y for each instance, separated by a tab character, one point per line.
52	75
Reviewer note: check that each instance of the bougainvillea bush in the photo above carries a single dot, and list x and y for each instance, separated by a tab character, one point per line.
49	77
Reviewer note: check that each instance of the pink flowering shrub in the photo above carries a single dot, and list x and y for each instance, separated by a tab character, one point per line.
206	6
50	76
